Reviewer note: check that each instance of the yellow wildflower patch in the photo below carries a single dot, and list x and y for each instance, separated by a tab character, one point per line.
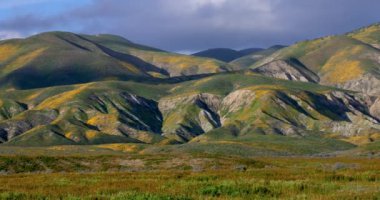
120	147
343	71
339	69
363	138
91	134
6	51
105	122
59	99
365	34
22	60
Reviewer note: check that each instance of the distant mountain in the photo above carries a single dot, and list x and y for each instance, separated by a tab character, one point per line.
222	54
319	95
239	59
225	54
248	51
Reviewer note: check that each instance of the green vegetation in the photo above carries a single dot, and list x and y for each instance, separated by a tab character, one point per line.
175	64
206	178
127	111
61	58
336	59
245	61
369	35
104	89
100	117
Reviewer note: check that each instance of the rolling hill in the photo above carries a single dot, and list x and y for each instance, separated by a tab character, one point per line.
245	106
175	64
61	88
61	58
350	61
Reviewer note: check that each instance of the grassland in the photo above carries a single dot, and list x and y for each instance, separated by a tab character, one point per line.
187	176
134	171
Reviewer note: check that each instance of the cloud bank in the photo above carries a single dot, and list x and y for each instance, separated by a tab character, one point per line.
191	25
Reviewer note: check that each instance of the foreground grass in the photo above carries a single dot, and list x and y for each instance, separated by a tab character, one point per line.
211	178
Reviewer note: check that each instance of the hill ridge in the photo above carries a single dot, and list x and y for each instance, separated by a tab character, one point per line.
62	88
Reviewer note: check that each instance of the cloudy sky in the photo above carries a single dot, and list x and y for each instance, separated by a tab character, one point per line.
190	25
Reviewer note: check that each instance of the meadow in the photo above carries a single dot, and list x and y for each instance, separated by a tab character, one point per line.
123	175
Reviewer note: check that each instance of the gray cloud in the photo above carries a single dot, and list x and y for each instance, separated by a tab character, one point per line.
191	25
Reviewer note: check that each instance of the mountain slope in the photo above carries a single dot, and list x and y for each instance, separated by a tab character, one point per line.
249	59
61	88
83	114
174	64
61	58
119	111
341	60
287	69
369	35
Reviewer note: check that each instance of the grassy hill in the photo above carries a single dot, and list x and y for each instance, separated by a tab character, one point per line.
369	35
61	88
232	106
252	57
340	60
175	64
61	58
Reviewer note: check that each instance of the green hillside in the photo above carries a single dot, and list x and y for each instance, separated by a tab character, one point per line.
339	60
174	64
234	106
369	35
251	58
61	88
61	58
